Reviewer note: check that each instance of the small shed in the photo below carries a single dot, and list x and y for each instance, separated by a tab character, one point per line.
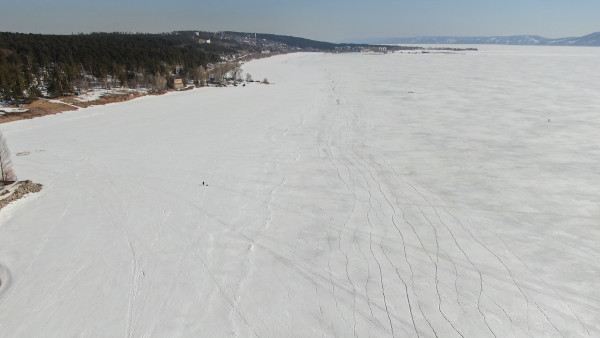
178	83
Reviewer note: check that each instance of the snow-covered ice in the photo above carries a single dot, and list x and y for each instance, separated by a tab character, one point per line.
362	195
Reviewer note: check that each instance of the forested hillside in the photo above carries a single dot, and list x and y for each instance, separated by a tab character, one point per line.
57	64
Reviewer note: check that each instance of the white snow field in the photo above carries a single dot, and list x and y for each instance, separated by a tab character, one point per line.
360	195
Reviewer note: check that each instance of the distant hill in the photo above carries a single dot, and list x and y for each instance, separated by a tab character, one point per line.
284	43
587	40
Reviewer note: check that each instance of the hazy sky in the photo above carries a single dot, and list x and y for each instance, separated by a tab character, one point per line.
332	20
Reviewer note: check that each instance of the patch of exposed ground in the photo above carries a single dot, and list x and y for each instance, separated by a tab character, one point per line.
42	107
37	108
106	99
19	190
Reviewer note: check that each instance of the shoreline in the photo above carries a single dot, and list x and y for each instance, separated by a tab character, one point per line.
51	106
43	106
46	106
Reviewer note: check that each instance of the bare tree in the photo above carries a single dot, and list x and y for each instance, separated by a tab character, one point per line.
81	84
6	170
248	77
159	82
219	72
236	72
200	76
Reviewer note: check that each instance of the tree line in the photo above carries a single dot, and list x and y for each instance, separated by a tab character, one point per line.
61	64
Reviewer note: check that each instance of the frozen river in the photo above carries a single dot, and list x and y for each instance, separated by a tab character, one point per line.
441	194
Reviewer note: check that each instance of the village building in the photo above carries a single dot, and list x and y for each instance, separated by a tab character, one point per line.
178	83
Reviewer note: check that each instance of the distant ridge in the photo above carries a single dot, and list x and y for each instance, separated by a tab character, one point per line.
587	40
